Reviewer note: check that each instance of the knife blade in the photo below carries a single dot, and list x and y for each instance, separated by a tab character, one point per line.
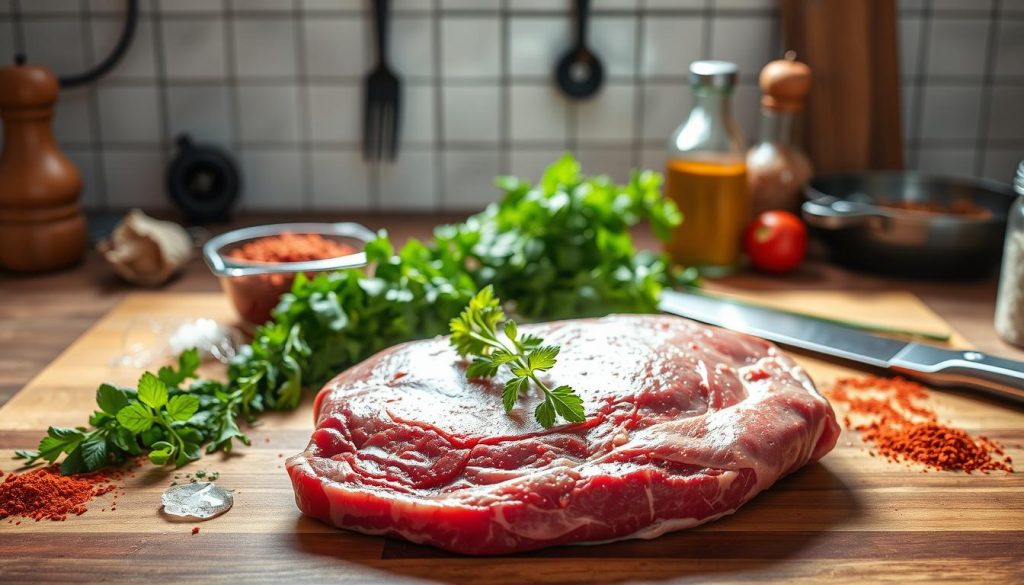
993	376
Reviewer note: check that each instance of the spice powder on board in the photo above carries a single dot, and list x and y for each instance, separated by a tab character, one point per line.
45	494
891	414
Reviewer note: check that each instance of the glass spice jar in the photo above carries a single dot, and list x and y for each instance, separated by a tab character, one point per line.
777	167
1009	319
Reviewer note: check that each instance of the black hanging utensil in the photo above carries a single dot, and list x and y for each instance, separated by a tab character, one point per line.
580	73
382	104
203	181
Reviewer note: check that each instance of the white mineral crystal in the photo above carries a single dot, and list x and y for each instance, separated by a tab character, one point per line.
199	501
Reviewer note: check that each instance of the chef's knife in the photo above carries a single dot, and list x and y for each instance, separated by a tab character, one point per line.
990	375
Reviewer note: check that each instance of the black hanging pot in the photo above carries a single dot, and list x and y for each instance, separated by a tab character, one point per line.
203	181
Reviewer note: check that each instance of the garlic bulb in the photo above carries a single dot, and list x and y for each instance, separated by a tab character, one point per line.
146	251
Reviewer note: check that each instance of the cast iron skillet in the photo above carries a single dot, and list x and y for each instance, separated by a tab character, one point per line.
842	211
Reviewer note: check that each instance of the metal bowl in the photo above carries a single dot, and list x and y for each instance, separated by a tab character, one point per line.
255	287
852	214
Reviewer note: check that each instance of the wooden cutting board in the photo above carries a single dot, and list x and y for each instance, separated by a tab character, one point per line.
848	518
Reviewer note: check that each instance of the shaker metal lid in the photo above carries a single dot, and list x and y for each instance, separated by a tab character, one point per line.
1018	181
720	74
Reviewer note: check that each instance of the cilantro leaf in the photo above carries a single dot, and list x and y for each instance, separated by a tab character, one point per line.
568	404
152	391
182	407
111	399
475	333
135	417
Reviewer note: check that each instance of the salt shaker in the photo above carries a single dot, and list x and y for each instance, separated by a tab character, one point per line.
1010	302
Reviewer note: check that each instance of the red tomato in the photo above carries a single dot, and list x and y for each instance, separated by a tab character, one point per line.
776	241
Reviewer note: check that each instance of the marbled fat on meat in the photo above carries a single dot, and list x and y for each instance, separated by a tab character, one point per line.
685	423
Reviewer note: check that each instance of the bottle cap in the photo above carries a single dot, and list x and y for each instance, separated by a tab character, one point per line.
785	84
718	74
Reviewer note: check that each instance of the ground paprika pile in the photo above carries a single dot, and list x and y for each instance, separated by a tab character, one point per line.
893	416
45	494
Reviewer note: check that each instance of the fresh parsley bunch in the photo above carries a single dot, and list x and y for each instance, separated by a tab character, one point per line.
475	333
559	248
562	247
160	418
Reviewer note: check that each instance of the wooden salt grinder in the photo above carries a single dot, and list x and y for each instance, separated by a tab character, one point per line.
41	224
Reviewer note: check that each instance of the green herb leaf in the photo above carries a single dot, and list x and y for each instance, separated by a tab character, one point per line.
475	332
94	453
543	358
161	452
482	367
135	417
545	414
182	407
111	399
152	391
568	404
510	394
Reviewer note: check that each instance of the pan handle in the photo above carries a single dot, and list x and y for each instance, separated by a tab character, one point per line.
832	213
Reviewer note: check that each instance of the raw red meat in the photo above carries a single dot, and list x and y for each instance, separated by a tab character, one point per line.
685	423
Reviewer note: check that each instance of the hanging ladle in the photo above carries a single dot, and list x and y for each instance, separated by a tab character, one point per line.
579	73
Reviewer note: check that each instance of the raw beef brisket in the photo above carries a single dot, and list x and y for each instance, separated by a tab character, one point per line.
685	423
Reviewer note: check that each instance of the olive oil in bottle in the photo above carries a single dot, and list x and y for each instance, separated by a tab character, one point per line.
706	175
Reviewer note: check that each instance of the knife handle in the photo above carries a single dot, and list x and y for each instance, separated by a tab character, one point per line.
999	377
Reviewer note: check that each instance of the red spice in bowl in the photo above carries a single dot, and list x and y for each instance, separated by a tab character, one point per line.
256	296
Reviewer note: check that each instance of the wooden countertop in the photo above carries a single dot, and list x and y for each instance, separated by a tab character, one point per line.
41	315
849	518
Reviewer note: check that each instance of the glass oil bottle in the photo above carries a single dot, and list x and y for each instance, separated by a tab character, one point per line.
706	175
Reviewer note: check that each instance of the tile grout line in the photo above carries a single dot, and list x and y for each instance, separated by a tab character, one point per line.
639	88
18	26
981	145
95	123
439	155
473	145
706	16
231	79
919	86
373	176
504	92
528	80
166	140
306	125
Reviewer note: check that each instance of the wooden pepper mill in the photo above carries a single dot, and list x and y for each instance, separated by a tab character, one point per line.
41	223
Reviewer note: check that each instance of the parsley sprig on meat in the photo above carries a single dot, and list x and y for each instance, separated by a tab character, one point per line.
557	248
475	333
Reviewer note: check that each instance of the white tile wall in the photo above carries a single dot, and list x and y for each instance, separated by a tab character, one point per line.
264	47
334	46
269	113
130	114
203	111
194	47
471	114
338	180
469	177
272	179
279	84
957	46
333	113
